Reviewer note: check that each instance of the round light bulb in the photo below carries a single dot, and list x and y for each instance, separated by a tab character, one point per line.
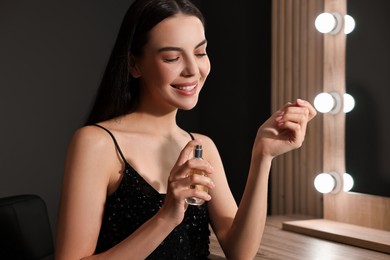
324	182
348	182
324	102
349	24
325	22
349	103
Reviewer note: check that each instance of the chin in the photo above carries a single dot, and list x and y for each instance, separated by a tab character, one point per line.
187	106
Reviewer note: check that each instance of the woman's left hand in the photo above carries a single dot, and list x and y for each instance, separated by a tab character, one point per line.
285	130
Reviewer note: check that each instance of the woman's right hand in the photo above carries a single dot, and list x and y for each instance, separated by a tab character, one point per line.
179	182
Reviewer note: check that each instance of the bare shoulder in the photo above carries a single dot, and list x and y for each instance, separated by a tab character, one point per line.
89	134
91	137
91	145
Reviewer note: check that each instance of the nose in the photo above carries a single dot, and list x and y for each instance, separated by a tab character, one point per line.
190	67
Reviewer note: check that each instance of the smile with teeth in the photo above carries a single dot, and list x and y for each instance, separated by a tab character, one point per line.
184	88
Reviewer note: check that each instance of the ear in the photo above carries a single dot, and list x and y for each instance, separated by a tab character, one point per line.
133	67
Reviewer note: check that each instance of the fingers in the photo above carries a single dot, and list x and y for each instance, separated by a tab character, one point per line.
193	180
294	118
199	180
193	185
303	103
187	151
199	165
184	165
183	176
293	115
299	112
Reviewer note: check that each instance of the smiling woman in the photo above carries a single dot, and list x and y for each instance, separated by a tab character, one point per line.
129	170
174	56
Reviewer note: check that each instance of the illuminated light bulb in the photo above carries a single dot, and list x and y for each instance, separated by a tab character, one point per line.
349	103
324	102
325	22
324	183
348	182
328	23
349	24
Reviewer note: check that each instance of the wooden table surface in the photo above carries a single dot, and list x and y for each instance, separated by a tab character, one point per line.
285	245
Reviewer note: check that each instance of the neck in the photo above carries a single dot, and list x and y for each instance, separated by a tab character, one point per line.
153	120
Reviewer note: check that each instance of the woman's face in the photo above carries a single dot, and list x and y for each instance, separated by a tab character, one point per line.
174	65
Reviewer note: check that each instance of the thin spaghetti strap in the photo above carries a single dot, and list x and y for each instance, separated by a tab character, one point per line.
192	137
115	142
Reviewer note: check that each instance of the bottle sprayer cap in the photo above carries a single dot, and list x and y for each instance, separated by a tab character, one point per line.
198	151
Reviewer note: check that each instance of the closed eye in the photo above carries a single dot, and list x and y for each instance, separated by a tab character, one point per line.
171	60
200	55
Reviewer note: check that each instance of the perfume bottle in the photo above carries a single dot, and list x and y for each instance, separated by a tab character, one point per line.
193	200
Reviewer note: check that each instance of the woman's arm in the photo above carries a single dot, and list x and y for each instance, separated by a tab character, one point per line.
239	231
84	191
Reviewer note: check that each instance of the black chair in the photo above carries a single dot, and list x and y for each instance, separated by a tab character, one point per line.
25	231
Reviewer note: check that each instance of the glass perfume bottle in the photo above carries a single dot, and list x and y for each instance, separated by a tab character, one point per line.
193	200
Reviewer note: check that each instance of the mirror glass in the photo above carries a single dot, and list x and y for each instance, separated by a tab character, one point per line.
368	81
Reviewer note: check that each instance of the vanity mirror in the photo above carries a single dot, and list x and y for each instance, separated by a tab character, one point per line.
306	63
367	136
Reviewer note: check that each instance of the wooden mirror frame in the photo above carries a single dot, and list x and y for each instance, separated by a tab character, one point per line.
304	64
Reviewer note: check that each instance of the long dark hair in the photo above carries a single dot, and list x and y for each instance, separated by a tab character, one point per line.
118	92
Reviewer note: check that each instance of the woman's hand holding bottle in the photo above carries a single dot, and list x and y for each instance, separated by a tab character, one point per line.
182	183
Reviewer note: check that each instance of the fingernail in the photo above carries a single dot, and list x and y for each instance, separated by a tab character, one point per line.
301	101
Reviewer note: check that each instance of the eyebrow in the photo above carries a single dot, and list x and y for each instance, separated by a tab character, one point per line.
180	49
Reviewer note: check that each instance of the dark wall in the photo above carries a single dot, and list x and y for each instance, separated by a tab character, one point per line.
53	53
368	80
236	97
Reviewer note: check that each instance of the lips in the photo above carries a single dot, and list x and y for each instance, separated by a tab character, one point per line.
187	88
184	88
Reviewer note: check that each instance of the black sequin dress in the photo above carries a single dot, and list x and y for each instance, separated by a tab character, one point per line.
134	202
